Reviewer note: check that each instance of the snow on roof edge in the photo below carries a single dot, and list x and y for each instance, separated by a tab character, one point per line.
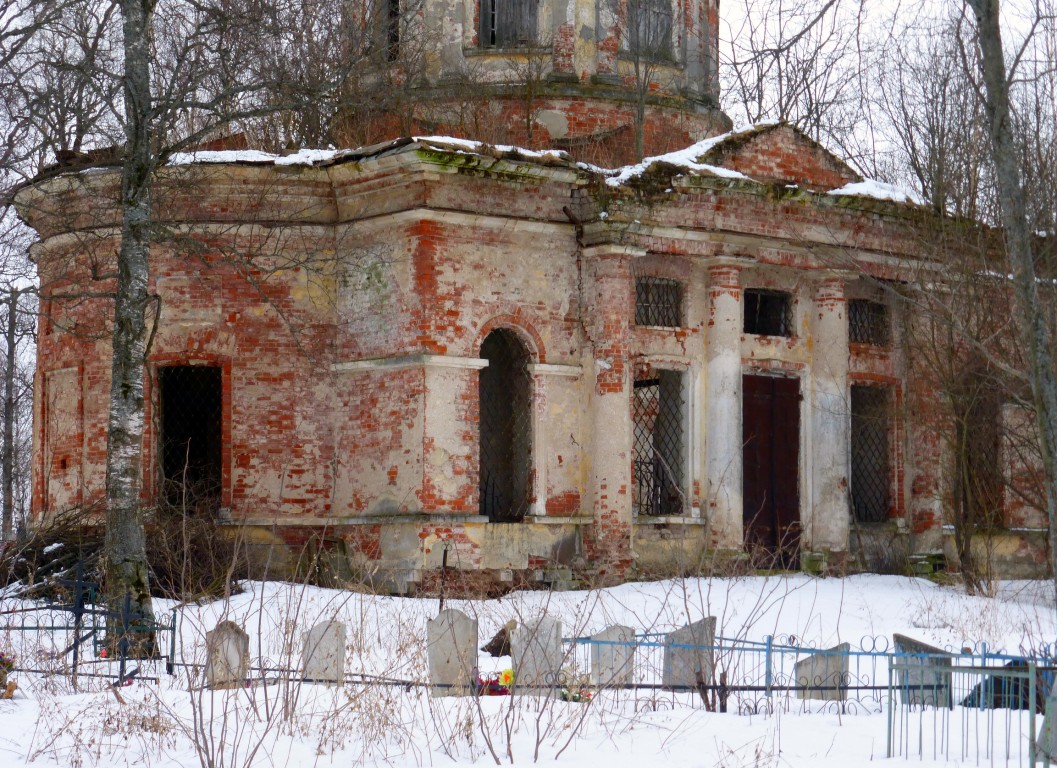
878	190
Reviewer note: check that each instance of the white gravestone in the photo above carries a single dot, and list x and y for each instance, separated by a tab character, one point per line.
823	675
687	651
536	650
926	681
227	656
323	659
451	649
613	656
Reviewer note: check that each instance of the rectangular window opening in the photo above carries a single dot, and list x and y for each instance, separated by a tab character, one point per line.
508	23
768	313
868	322
871	413
191	442
979	482
648	31
659	415
658	302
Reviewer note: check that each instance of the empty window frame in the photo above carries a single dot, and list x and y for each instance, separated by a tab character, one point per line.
768	313
505	401
871	475
383	20
658	302
648	30
979	481
191	442
659	414
868	322
508	23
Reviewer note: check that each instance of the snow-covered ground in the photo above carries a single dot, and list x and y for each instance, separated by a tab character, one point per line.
175	722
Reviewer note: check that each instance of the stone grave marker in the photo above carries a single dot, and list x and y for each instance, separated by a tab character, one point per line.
536	650
451	650
1046	745
688	650
227	656
613	656
927	682
823	675
323	658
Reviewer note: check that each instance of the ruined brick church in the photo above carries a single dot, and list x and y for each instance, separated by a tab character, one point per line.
510	361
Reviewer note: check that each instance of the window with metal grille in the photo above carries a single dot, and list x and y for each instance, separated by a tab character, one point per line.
648	32
508	23
768	313
870	453
658	302
868	322
659	417
190	438
505	397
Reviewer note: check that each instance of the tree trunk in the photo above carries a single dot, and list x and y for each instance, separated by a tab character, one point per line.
8	461
1018	248
126	547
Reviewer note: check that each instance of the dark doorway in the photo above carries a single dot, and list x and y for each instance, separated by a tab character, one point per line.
771	453
191	450
505	392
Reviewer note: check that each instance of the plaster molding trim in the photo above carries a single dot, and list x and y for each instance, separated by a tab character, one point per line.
552	369
410	361
494	222
667	362
308	521
669	520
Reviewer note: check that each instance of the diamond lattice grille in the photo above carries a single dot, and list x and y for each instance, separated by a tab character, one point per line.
658	447
871	477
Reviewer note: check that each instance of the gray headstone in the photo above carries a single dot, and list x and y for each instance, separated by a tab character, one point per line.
324	652
689	650
823	675
451	648
927	680
227	656
613	656
536	650
1046	746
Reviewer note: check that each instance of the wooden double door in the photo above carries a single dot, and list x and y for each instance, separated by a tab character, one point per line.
771	470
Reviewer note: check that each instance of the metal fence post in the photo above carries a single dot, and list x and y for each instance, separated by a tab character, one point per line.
1032	693
170	665
767	674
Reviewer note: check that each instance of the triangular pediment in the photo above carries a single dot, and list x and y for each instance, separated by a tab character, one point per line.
781	153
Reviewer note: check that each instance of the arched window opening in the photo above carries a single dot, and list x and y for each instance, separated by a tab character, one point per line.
505	392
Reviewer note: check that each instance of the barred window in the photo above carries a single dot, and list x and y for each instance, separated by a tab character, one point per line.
508	23
659	302
648	32
658	413
768	313
870	463
868	322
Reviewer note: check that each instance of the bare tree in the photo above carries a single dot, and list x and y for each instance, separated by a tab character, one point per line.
802	63
995	79
929	107
161	76
647	43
